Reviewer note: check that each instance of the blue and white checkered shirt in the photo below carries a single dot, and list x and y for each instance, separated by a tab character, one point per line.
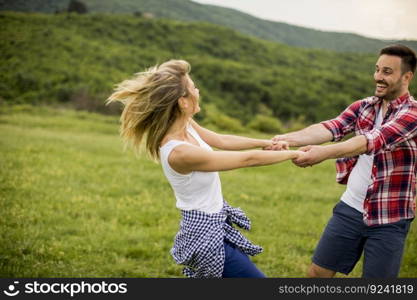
199	244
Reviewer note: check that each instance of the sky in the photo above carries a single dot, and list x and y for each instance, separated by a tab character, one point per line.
382	19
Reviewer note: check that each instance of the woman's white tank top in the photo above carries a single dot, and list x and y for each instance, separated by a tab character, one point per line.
196	190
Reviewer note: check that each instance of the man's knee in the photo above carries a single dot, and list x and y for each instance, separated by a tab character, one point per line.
315	271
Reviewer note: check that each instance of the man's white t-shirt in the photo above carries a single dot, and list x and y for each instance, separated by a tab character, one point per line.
360	177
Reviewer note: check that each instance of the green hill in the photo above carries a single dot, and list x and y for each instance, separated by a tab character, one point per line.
186	10
76	60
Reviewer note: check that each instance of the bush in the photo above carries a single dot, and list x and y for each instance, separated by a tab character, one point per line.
77	7
217	119
266	124
297	124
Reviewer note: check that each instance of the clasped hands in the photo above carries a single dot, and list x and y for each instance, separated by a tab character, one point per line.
307	155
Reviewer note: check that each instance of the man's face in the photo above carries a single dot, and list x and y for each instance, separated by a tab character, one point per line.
388	76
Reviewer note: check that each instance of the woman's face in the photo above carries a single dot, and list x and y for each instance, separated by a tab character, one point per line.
194	95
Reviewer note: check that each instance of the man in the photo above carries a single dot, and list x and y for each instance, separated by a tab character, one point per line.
378	165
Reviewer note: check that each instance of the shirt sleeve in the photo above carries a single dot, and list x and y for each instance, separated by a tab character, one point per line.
398	130
344	123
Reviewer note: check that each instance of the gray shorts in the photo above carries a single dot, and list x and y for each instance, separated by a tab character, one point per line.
346	236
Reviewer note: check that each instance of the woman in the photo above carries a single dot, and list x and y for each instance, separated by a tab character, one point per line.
160	104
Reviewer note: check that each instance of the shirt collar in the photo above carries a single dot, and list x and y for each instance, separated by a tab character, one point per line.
400	100
394	103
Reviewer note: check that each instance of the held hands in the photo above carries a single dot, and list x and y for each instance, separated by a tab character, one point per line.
306	156
310	155
278	142
277	145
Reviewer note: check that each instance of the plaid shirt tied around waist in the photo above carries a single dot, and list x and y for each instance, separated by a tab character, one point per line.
199	244
391	196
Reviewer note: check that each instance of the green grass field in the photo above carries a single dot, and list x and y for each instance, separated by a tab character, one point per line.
73	204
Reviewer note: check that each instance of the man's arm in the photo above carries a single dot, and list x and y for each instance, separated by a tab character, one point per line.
393	133
330	130
315	154
312	135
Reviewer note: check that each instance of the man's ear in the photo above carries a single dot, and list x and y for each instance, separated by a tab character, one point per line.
408	76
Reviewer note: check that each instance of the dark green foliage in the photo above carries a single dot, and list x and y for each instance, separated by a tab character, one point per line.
266	124
47	6
76	60
190	11
77	7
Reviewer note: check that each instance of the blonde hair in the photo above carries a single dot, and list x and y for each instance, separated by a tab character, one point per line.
150	101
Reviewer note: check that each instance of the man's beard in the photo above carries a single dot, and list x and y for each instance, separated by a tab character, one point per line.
391	90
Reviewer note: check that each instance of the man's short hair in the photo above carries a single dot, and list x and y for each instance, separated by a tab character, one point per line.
407	55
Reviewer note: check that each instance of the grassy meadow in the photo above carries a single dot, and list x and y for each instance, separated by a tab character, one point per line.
74	204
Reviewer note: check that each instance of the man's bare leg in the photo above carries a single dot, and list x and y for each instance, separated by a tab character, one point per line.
316	271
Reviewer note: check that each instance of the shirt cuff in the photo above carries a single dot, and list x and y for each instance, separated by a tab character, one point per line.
334	129
371	142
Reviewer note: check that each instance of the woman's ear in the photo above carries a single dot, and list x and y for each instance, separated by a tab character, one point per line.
183	103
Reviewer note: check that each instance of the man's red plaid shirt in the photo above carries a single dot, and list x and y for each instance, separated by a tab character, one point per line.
391	196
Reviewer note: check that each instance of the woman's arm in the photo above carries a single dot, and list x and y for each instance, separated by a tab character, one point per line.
312	135
187	158
230	142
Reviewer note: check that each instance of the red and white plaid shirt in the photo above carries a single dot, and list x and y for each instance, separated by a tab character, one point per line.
391	196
